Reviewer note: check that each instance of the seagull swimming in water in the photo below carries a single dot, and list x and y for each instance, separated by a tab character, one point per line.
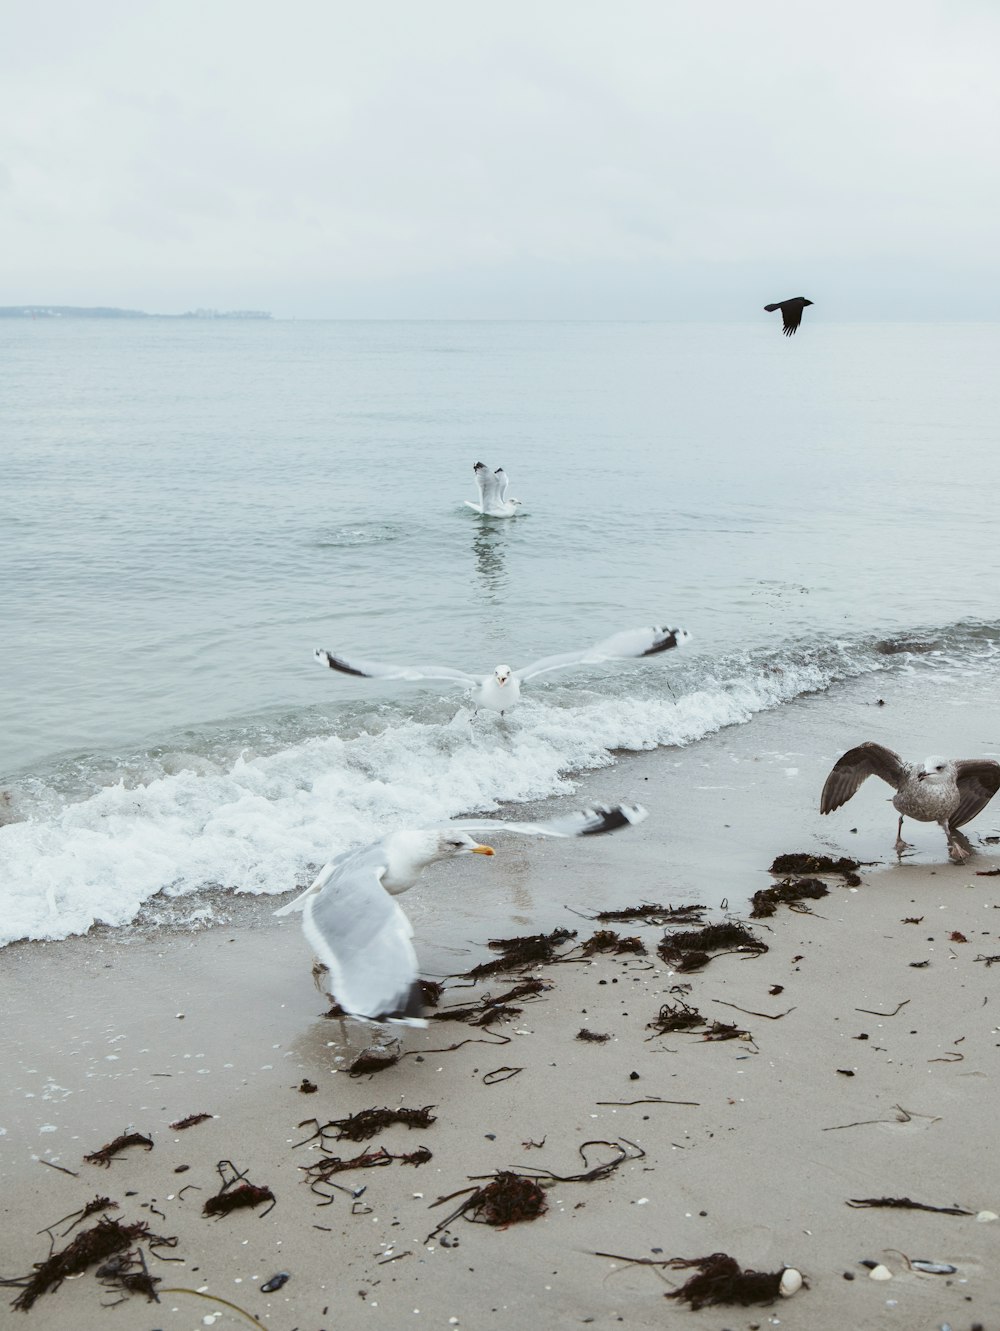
501	690
946	791
359	932
791	312
493	486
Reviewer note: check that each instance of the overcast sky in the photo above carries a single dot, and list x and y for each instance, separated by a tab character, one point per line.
456	158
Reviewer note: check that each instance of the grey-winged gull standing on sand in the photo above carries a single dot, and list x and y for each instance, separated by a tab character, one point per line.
791	312
502	689
493	486
946	791
359	932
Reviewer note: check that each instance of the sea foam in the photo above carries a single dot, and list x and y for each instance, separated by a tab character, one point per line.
266	821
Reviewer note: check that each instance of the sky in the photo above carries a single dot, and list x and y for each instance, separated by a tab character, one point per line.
565	159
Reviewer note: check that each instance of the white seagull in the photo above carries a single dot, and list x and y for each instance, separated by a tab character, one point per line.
493	486
946	791
362	936
501	690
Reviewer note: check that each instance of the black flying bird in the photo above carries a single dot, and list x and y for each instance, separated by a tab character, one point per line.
791	312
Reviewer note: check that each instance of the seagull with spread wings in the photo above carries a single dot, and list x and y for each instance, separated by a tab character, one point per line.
359	932
946	791
791	312
502	689
493	487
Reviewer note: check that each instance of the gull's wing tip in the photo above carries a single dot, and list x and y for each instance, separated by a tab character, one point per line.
610	817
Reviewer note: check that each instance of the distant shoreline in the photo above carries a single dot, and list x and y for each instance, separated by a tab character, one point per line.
111	312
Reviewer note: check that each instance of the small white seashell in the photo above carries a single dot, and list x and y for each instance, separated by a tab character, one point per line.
791	1282
986	1216
880	1273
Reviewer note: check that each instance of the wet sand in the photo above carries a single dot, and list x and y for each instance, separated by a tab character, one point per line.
751	1146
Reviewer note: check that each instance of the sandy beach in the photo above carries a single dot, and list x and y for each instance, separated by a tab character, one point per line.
865	1039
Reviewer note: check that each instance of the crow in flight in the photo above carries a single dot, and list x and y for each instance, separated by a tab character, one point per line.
791	312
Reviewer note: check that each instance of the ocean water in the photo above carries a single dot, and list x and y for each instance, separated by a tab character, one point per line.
190	508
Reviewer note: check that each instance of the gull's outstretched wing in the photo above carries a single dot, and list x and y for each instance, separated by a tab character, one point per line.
856	766
376	670
978	781
502	484
356	928
489	486
585	822
630	643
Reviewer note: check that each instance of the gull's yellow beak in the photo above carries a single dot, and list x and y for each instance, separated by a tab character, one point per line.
483	850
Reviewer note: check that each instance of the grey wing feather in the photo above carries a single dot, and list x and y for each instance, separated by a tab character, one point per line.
378	670
320	881
620	646
855	767
502	483
584	822
978	781
489	486
362	935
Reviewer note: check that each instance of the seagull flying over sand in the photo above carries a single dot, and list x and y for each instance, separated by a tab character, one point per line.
946	791
791	312
359	932
501	690
493	486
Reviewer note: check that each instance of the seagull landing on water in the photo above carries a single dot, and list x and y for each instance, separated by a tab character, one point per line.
501	690
791	312
946	791
493	486
361	935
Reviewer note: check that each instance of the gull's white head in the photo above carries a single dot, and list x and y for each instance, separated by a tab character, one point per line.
502	674
458	843
934	769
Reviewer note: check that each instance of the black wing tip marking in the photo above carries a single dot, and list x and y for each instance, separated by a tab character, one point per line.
411	1009
611	817
480	466
672	638
335	663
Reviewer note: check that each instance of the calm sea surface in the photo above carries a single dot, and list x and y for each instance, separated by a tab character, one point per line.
189	508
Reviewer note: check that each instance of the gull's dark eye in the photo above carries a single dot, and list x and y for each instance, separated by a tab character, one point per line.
940	767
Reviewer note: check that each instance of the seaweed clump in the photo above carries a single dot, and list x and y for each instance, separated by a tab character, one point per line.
367	1123
106	1154
595	1037
606	940
236	1193
804	863
679	1016
430	992
490	1009
105	1239
720	1279
529	950
323	1170
788	892
128	1272
690	949
191	1121
508	1199
655	913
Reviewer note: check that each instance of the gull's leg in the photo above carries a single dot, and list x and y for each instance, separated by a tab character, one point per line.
959	849
901	845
